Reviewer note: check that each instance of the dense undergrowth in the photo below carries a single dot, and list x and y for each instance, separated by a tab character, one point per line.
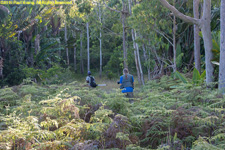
165	114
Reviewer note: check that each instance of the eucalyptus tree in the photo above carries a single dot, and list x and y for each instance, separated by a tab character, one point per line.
99	13
204	25
222	47
124	14
136	51
196	36
76	24
152	24
85	8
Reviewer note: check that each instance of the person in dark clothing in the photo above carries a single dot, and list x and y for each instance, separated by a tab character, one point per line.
91	80
126	82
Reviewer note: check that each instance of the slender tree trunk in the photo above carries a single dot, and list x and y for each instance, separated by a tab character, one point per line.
37	44
88	51
26	53
2	57
139	62
135	49
81	54
135	57
196	37
100	39
59	45
124	42
147	61
18	38
1	67
124	36
174	44
207	37
137	67
222	48
75	58
67	50
74	53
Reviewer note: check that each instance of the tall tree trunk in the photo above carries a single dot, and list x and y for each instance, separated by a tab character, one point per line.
75	58
67	50
81	54
135	49
136	57
19	32
37	44
139	63
74	53
26	53
1	67
88	55
222	48
100	40
124	37
207	37
196	37
2	56
147	60
137	67
174	44
204	24
124	42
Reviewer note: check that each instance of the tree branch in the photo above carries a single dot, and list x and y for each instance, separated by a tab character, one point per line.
111	8
179	14
5	9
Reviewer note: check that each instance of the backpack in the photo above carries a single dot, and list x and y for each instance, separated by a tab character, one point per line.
92	83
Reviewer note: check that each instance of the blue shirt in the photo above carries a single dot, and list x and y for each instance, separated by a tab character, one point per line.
126	89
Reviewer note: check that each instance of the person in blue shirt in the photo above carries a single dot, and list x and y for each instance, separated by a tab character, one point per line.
126	81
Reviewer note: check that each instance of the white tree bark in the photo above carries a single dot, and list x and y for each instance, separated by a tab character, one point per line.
207	37
139	62
179	14
74	53
137	67
37	44
81	54
124	42
135	49
88	52
124	38
100	41
174	45
5	9
196	37
222	48
204	24
67	50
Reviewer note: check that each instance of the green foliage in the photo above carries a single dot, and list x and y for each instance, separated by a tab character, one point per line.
197	79
160	117
181	77
8	98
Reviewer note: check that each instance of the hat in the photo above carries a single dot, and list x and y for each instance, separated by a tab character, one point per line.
89	72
